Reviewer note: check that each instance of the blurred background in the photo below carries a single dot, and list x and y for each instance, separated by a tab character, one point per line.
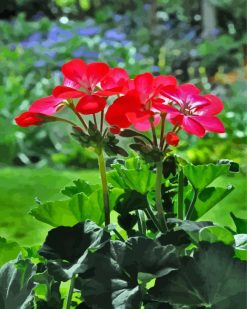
203	42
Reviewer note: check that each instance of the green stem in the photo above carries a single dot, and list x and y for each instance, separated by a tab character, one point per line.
141	222
158	197
180	194
95	121
162	132
71	106
118	235
64	120
81	120
192	204
102	169
155	142
101	121
69	296
152	217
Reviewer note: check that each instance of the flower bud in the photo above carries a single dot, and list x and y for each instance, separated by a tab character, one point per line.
172	139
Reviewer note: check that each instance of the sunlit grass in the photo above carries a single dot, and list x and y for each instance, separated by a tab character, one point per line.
20	186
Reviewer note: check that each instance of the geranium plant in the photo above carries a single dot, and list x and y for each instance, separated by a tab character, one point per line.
156	252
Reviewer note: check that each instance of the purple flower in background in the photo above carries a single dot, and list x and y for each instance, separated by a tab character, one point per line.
34	39
88	31
114	35
50	53
39	63
84	53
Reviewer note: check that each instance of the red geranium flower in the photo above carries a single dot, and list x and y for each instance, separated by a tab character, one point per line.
115	82
82	81
47	105
136	107
196	113
27	119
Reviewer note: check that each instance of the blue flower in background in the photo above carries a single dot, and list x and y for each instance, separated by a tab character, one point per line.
84	53
50	53
114	35
90	31
34	39
39	63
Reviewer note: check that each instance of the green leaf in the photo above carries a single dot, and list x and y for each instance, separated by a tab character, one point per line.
47	291
16	284
79	207
80	186
200	176
8	250
241	246
108	285
134	175
190	227
208	198
116	267
130	201
211	279
240	223
70	243
66	248
214	234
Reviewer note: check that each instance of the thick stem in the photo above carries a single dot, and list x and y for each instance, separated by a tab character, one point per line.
69	296
192	204
180	194
102	169
158	197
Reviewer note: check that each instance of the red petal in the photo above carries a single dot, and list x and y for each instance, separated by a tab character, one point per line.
116	114
141	121
115	130
96	71
27	119
115	82
165	80
69	83
144	85
189	89
90	104
215	106
75	70
211	123
165	108
192	126
67	92
46	106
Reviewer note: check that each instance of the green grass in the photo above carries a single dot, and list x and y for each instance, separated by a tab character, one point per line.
20	186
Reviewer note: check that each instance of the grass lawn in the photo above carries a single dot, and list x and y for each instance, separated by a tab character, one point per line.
19	187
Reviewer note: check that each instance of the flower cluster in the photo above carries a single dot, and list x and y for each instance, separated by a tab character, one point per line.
142	102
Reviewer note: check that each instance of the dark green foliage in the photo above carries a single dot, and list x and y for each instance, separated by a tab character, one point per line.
69	243
210	278
16	284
